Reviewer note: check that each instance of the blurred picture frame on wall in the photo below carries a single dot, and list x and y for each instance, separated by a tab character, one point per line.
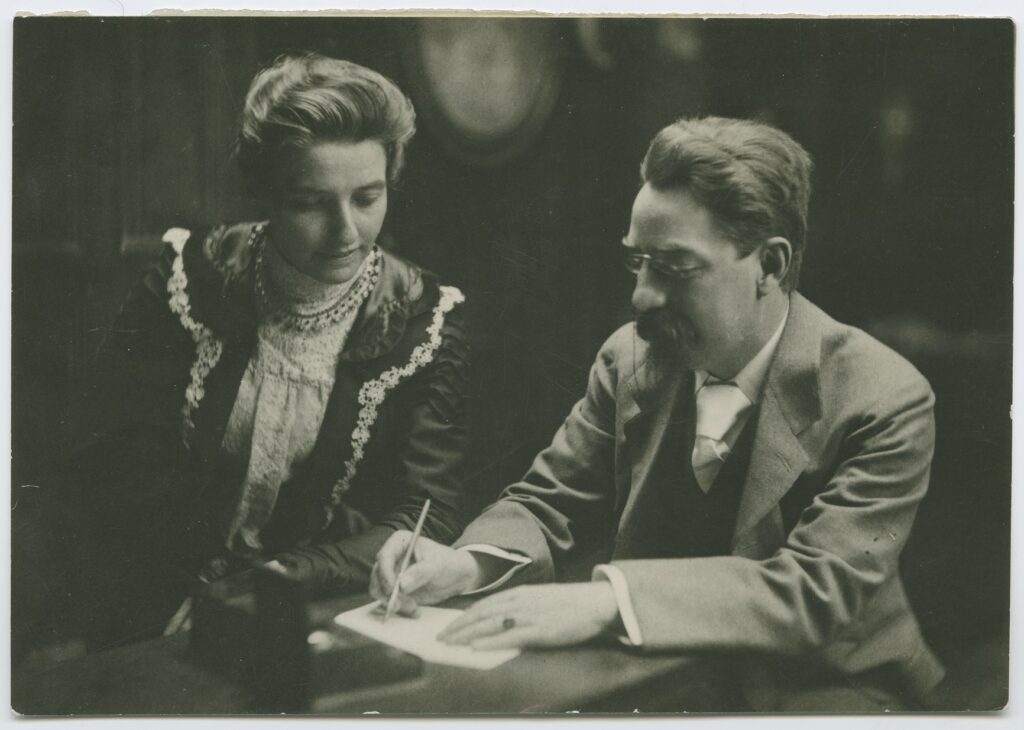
484	86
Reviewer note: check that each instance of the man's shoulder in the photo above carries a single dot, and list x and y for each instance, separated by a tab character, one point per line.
624	341
622	368
624	351
856	366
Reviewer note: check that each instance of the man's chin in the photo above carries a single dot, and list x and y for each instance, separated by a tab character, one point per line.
669	342
668	354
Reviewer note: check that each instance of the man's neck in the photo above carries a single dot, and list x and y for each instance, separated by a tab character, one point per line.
773	311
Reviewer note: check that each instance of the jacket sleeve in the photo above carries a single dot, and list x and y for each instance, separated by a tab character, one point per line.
127	472
564	507
427	462
142	365
844	546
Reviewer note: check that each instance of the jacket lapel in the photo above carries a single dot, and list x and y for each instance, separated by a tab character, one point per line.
789	405
664	408
776	460
377	342
401	294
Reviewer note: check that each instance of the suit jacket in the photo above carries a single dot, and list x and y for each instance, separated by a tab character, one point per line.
840	461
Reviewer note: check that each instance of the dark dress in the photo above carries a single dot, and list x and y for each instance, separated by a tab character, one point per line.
114	539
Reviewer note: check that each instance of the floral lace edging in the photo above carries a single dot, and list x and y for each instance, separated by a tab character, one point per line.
208	347
373	392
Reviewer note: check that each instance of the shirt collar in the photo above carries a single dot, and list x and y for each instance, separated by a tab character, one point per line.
750	380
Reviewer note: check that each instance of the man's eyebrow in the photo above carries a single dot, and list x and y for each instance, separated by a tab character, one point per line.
673	251
375	185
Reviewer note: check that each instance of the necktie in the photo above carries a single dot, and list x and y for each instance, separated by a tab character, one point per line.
719	404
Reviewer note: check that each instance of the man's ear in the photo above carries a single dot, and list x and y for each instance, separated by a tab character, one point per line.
776	257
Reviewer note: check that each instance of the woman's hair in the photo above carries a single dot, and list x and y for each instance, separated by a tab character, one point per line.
754	179
299	100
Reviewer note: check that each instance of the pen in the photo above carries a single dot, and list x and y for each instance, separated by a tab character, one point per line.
405	559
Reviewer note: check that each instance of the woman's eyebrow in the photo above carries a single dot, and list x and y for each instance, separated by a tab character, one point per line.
303	188
375	185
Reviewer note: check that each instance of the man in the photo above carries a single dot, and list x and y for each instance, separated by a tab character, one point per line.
752	466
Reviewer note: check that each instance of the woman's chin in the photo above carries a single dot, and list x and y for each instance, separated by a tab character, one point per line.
335	269
335	276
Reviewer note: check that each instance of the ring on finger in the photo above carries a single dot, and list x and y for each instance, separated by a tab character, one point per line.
508	623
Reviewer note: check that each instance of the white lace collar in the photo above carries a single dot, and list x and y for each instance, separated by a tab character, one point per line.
298	292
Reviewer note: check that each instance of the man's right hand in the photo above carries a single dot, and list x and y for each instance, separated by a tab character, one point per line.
435	573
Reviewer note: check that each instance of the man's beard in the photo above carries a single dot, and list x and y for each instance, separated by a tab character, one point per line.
667	336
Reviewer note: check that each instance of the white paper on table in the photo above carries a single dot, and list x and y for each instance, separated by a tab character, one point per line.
418	636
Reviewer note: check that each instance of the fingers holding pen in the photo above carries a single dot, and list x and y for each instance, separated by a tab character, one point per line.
408	598
389	561
377	590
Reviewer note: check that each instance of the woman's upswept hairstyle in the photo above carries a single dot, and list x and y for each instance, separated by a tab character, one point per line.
299	100
754	179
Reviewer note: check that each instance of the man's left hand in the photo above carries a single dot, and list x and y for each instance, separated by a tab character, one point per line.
536	616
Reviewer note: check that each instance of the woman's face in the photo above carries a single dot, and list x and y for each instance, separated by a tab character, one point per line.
327	207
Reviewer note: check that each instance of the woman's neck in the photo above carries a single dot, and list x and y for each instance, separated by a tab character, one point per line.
299	292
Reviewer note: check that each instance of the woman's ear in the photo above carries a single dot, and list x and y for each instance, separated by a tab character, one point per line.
776	257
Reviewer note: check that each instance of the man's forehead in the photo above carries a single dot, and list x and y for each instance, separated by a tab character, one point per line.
670	220
664	235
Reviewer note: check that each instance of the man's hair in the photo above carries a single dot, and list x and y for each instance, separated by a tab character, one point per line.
299	100
754	179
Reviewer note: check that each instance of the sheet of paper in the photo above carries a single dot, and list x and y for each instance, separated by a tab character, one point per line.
419	636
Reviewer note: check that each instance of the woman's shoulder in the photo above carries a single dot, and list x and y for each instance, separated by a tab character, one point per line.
210	269
409	285
408	308
224	248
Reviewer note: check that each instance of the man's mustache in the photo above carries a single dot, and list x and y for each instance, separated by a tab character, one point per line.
666	334
660	327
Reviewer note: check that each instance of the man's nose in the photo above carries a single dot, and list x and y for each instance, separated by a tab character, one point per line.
648	294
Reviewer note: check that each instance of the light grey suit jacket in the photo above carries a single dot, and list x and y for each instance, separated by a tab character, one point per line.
840	461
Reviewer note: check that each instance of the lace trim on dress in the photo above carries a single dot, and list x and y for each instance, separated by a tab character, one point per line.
373	392
208	347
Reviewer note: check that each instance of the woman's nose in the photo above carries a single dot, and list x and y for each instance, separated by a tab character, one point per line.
648	294
344	231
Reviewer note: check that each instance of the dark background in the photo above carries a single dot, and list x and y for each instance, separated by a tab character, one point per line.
123	127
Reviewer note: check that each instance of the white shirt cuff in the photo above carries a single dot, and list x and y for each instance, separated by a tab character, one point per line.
520	562
621	589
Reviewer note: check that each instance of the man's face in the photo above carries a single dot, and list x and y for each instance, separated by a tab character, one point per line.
705	314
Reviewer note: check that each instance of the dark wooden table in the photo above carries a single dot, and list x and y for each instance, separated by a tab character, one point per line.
159	677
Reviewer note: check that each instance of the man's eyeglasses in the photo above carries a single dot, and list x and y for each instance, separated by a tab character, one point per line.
634	263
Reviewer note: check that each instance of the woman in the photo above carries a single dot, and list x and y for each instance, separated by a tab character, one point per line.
279	390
